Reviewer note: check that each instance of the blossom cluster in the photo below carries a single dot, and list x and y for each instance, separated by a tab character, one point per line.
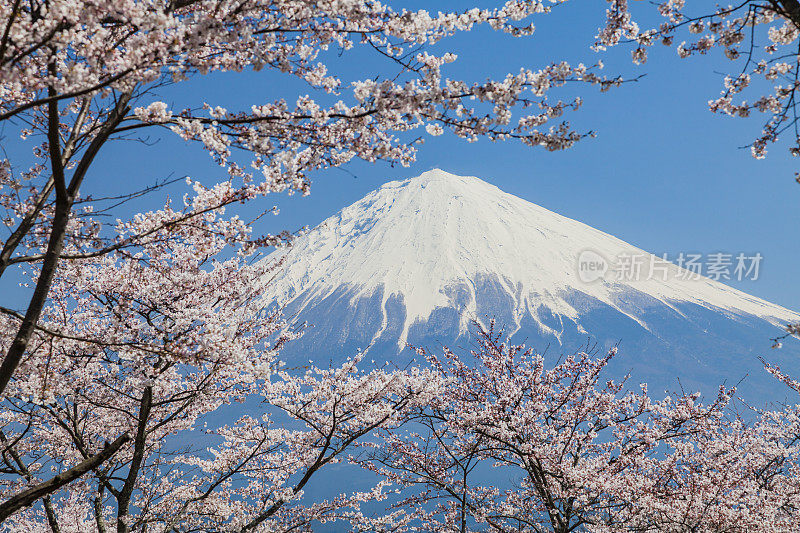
759	38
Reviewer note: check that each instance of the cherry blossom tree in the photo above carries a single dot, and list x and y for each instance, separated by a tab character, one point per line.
513	445
123	412
741	474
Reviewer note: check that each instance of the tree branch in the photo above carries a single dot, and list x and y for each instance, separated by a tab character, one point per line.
28	497
124	498
65	196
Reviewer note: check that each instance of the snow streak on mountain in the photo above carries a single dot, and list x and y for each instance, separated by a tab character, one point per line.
418	260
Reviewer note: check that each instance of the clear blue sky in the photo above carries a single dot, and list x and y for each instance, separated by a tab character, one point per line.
663	173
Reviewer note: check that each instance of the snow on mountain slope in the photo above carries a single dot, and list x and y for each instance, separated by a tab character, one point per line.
415	240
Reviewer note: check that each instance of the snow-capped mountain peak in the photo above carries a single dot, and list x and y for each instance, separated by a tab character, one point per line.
430	241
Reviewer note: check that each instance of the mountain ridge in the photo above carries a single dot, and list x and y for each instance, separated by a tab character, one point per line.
416	261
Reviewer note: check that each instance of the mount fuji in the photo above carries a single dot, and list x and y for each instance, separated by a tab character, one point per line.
417	261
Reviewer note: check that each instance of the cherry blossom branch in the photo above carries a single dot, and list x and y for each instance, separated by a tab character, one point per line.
28	497
65	196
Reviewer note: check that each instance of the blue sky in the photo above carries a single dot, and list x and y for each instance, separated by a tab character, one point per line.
663	172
